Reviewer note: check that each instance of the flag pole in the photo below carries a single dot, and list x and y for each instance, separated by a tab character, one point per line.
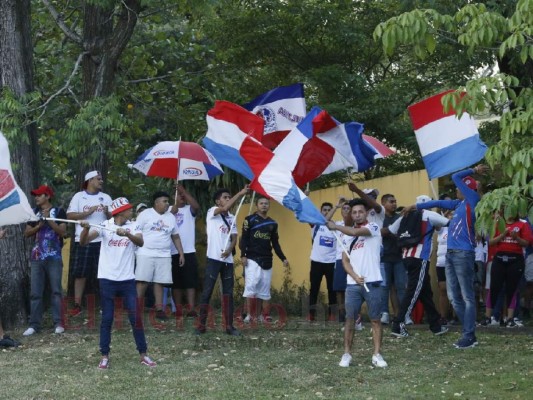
233	223
435	195
345	250
72	221
252	203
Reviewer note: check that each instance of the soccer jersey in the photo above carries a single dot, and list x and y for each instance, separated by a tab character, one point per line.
324	248
365	255
344	243
375	217
157	230
117	253
430	220
185	220
82	201
218	234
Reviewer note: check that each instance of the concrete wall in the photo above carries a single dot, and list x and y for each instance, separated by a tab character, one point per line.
295	237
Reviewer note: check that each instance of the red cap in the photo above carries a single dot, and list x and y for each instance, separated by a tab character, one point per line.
470	182
120	204
43	189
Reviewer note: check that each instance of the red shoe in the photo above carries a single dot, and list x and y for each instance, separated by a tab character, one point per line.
148	362
75	311
104	363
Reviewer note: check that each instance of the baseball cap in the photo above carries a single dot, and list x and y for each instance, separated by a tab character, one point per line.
120	204
43	189
423	199
141	205
470	182
369	191
89	175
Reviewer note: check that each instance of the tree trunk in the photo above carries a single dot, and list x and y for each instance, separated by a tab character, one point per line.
106	33
16	74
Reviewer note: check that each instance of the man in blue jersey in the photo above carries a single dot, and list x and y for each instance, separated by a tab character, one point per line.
460	255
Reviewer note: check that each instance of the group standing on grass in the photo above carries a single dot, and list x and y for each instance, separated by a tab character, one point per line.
361	257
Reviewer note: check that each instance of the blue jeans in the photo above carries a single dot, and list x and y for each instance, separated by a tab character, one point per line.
460	288
40	269
109	290
213	269
393	273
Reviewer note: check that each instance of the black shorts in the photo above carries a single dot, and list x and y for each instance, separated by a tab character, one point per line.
185	277
441	274
85	262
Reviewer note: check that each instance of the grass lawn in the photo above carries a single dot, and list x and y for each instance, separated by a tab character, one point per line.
298	361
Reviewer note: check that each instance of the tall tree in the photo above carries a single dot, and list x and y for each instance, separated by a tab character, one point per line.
16	82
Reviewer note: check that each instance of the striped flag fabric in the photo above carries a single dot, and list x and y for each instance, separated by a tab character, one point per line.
379	147
281	108
14	205
230	139
320	145
447	143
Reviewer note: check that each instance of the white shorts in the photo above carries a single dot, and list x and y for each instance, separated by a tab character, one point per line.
528	271
257	281
154	269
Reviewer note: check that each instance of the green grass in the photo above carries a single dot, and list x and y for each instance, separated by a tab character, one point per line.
299	361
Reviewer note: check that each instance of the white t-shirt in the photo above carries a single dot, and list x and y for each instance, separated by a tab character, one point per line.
377	218
217	234
117	253
480	251
324	248
185	221
345	240
157	230
365	255
82	201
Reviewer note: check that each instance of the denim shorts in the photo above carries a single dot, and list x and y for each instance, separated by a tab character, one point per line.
357	294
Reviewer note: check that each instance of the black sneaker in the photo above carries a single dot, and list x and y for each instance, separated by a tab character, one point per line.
511	324
233	332
399	330
465	343
440	331
6	341
161	315
485	321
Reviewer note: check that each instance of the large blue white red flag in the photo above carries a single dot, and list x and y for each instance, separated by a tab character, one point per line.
320	145
282	109
447	143
14	206
229	139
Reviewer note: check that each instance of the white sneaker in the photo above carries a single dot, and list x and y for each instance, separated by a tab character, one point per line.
28	332
494	322
345	360
247	319
359	323
378	361
385	318
59	329
408	320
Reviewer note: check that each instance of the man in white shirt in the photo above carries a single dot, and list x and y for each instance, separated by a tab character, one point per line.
120	237
363	280
91	204
323	255
185	277
221	240
154	263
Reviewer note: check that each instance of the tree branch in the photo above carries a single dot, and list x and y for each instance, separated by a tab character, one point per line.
58	18
155	78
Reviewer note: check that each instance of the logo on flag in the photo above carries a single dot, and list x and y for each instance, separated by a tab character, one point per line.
447	143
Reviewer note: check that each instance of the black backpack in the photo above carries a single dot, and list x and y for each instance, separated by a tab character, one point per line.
410	230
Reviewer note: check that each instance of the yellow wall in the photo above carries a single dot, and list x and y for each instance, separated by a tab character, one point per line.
295	237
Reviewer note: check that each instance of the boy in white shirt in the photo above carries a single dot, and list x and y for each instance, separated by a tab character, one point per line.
120	238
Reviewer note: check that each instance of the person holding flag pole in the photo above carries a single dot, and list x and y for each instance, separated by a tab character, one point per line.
362	264
221	241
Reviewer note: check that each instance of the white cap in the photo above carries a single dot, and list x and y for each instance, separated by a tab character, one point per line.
90	175
141	205
423	199
368	191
